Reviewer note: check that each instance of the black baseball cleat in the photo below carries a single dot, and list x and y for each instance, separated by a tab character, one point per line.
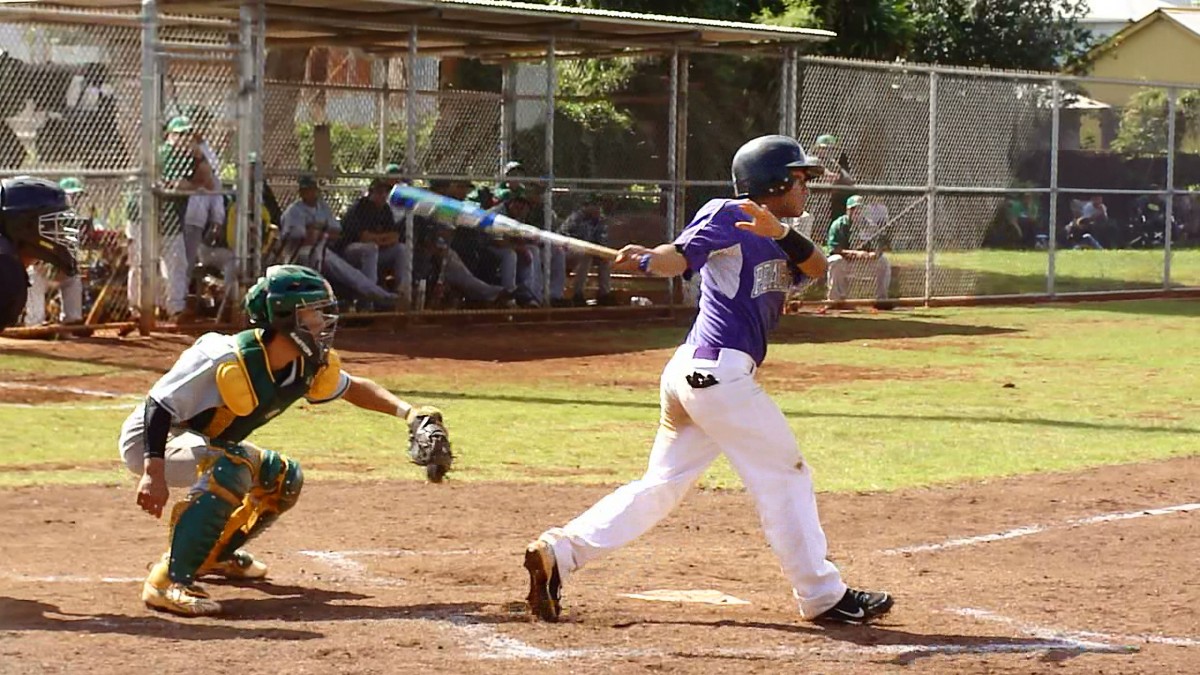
857	607
544	582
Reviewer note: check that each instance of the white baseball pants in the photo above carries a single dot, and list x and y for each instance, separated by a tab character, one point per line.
40	277
841	268
732	416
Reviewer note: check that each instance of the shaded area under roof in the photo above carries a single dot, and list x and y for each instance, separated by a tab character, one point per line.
486	28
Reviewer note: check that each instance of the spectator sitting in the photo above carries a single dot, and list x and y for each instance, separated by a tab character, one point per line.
307	226
1092	221
1022	216
1150	217
557	254
447	277
42	275
372	240
486	197
518	270
589	223
216	250
844	259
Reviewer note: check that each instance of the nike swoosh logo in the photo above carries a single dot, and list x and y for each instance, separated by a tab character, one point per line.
855	615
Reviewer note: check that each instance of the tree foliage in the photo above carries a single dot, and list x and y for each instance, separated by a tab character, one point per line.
867	29
1144	122
1012	34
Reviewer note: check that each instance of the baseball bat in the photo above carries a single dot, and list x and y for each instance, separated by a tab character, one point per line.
454	213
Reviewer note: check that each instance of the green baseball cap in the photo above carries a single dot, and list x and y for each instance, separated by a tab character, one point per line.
393	168
307	181
71	185
511	193
827	139
178	125
855	201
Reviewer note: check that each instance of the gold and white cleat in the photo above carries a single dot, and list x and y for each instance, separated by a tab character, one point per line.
159	592
241	565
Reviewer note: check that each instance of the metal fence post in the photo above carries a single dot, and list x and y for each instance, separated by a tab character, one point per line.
681	134
257	109
672	161
1168	226
249	188
931	185
508	111
382	107
410	163
548	193
1052	216
787	93
148	212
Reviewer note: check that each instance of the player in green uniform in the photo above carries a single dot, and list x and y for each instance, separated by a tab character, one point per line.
191	430
846	258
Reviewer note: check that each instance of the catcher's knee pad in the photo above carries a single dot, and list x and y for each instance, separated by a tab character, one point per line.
202	521
280	481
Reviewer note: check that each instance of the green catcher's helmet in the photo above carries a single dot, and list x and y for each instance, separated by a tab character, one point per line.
275	300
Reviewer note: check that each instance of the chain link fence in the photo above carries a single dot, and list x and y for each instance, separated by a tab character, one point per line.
69	112
971	183
1036	188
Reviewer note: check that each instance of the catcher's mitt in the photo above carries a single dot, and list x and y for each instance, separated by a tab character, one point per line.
429	443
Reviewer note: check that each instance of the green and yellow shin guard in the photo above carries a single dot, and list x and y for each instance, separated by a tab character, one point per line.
208	509
279	483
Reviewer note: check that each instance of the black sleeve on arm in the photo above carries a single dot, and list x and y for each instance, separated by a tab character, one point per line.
157	426
797	247
688	273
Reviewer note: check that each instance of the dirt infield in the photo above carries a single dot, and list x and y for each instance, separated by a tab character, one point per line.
1089	572
393	577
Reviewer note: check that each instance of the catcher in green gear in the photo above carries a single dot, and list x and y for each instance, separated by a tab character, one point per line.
191	432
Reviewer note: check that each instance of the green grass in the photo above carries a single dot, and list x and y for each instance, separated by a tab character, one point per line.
1092	384
1002	272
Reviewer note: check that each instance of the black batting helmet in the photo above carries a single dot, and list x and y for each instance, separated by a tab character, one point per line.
764	165
36	214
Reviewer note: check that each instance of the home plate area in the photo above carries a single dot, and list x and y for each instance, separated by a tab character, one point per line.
368	578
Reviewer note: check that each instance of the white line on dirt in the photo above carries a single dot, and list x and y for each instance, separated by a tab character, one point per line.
491	644
399	552
1035	529
64	390
1081	635
339	561
345	560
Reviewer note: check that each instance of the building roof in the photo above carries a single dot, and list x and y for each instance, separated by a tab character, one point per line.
1106	11
494	28
1185	18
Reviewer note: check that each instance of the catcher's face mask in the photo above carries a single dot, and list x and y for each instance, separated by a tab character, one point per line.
63	228
315	328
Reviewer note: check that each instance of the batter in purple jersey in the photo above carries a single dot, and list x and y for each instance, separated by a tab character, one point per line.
711	402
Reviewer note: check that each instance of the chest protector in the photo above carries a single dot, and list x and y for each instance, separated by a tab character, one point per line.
249	393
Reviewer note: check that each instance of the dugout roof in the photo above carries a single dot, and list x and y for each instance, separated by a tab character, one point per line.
479	28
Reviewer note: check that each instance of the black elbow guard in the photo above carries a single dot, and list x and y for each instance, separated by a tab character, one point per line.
797	247
157	427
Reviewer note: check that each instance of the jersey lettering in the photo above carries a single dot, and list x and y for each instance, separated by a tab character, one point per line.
771	276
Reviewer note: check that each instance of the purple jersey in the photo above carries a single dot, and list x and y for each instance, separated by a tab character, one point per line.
744	279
